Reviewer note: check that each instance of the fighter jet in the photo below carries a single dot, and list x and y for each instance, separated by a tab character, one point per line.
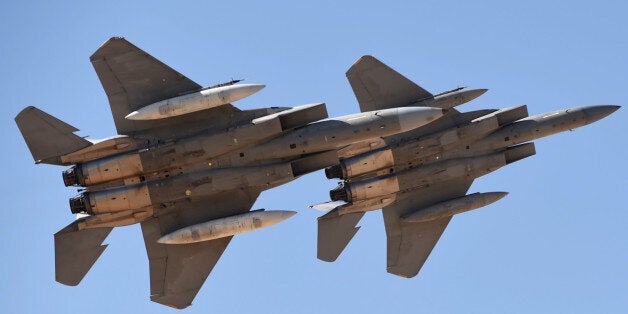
420	178
186	165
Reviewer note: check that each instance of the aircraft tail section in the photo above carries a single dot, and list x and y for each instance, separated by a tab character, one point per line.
335	233
377	86
76	251
47	137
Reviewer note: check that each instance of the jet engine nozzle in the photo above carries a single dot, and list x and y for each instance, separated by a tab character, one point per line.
334	171
340	193
71	176
78	204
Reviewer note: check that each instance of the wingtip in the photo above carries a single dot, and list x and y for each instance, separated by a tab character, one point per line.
394	270
110	43
23	112
163	301
362	59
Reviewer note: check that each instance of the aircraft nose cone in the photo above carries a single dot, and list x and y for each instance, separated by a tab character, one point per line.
276	216
236	92
285	214
133	115
495	196
258	87
595	113
251	88
475	93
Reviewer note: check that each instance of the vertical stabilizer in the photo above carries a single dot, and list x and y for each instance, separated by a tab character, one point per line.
377	86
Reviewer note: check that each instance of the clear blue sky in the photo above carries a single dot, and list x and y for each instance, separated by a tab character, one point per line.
557	244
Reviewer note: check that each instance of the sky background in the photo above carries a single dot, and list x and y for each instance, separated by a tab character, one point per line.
558	243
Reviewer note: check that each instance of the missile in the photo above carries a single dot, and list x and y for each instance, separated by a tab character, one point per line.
196	101
225	227
378	123
451	98
410	118
454	206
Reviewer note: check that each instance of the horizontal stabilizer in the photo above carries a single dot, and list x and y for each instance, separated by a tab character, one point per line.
328	206
377	86
335	233
76	251
48	137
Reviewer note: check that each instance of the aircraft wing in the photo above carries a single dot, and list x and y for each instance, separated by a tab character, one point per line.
133	79
409	243
377	86
177	271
